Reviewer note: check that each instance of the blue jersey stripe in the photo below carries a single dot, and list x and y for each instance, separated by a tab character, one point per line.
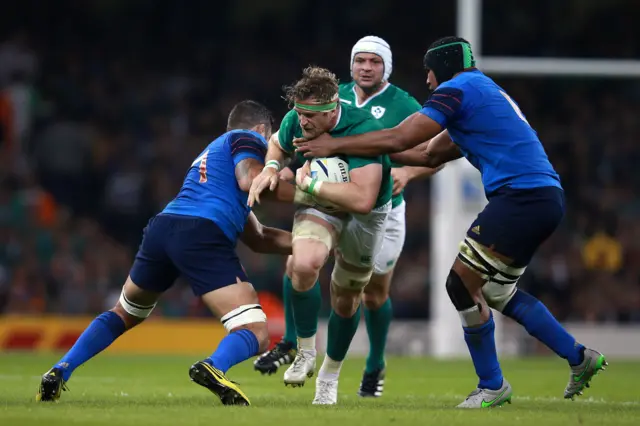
447	100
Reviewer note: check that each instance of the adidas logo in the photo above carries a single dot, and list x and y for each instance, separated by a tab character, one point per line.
476	229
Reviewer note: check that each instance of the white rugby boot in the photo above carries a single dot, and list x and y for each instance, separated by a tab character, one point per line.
326	392
302	368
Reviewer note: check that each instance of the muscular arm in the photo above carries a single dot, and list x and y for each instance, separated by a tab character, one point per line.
275	151
357	196
414	130
247	169
431	154
421	172
286	174
441	150
264	239
411	157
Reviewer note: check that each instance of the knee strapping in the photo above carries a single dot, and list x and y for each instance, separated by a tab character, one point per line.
470	311
458	293
243	315
135	309
351	280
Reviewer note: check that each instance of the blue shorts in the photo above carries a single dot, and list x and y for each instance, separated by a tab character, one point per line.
193	247
517	221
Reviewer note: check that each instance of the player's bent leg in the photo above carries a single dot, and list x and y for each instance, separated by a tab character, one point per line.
539	322
347	282
502	295
464	287
246	323
313	238
284	352
309	255
378	313
134	305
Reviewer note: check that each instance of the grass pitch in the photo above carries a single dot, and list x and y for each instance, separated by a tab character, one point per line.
124	391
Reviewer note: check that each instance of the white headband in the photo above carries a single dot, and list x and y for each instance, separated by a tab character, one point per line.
377	46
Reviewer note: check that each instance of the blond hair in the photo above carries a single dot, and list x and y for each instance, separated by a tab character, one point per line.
317	83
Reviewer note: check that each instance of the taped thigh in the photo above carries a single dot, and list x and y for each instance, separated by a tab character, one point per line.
309	230
501	278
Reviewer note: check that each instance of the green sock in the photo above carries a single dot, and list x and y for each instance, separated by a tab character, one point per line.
377	327
306	308
340	334
289	320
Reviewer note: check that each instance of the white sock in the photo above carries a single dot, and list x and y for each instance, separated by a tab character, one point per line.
330	369
307	344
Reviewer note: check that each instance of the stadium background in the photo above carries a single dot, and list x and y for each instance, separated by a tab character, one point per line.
104	104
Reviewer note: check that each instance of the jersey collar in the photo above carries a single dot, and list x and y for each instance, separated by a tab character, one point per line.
386	86
339	117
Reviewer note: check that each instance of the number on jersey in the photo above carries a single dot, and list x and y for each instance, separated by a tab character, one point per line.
203	167
514	106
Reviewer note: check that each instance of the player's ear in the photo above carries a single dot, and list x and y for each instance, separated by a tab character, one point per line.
262	129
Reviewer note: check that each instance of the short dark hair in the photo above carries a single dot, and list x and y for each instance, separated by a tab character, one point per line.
316	82
248	114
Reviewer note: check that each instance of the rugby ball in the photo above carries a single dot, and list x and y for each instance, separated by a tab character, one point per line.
329	169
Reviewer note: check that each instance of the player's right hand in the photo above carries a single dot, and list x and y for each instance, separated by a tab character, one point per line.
322	145
267	178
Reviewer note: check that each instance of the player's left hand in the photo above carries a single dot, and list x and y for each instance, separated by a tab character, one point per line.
322	146
400	179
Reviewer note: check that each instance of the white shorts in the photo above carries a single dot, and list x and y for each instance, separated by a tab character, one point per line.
362	237
394	235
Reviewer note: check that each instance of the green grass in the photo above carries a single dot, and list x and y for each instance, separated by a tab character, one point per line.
123	391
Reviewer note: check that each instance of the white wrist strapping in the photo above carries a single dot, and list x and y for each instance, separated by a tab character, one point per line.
311	186
273	164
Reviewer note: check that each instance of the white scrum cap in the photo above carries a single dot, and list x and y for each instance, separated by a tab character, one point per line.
377	46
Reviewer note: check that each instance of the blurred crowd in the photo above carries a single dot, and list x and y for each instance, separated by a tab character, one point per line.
100	122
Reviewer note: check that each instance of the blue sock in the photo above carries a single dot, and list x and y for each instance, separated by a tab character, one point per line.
541	324
482	347
102	331
233	349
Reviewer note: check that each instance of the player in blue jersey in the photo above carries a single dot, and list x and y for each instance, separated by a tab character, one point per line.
195	236
470	115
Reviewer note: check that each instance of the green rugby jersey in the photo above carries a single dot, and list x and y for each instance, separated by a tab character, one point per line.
351	121
389	106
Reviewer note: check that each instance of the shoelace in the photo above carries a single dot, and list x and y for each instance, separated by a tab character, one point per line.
64	385
474	393
298	362
323	392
